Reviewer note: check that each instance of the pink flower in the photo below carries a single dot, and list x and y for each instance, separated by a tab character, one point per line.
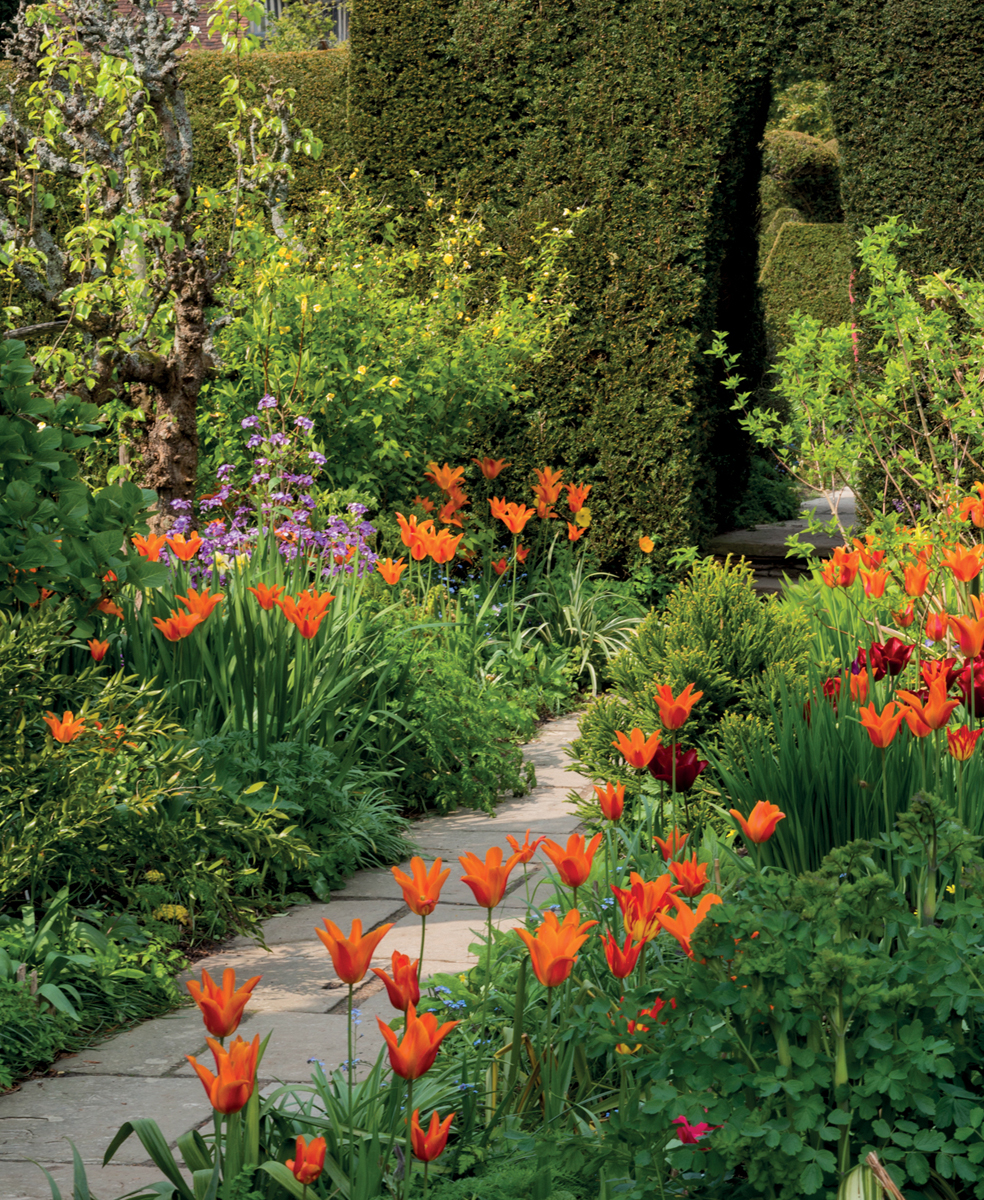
691	1134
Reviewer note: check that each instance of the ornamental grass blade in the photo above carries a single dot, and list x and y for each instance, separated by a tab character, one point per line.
194	1151
55	1193
80	1183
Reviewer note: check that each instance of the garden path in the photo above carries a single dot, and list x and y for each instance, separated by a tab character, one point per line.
143	1072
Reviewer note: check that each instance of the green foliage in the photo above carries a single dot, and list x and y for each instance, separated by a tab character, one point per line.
346	818
881	57
320	80
818	1022
398	354
464	748
899	419
302	25
804	107
714	633
808	271
771	496
800	172
31	1038
55	533
104	813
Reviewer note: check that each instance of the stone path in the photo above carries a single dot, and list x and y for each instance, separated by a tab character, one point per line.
143	1072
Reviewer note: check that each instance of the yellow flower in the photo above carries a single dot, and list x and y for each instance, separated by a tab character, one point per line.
317	308
646	545
582	518
171	912
284	328
395	381
448	259
362	370
154	876
331	395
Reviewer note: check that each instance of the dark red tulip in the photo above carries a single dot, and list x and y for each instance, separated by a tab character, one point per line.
860	666
688	767
891	657
972	696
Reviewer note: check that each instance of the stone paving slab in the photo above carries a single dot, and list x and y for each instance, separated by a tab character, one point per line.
295	978
153	1049
299	923
24	1181
451	929
39	1120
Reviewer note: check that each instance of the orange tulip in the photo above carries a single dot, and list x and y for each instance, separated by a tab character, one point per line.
860	684
491	467
430	1145
574	532
646	544
761	823
105	605
184	548
881	727
685	921
445	477
637	749
350	955
500	566
961	743
149	547
611	801
422	888
412	529
672	846
522	552
548	486
903	617
443	547
841	569
403	987
916	578
674	711
936	711
573	864
487	880
965	564
231	1088
67	729
870	557
178	625
937	624
203	604
498	508
267	595
307	611
621	960
415	1054
308	1161
427	505
516	516
577	493
553	948
973	507
545	512
528	848
641	902
455	502
969	634
97	649
221	1007
390	570
874	583
691	878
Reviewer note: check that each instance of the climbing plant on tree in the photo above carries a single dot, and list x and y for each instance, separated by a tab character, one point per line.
114	254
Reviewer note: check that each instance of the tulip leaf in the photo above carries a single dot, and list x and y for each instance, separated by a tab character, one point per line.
80	1184
55	1193
194	1151
278	1171
153	1142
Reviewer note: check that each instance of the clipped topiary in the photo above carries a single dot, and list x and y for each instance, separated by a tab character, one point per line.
801	172
714	633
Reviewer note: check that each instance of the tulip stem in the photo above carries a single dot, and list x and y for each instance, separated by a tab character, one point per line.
420	962
488	975
545	1057
408	1163
426	1165
351	1067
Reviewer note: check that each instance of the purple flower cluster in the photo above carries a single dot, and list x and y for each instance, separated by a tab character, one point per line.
279	500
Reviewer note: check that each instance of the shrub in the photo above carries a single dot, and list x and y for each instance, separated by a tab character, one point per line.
800	172
808	271
55	533
714	633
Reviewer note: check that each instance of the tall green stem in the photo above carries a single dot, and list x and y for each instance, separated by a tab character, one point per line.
420	961
351	1067
408	1159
